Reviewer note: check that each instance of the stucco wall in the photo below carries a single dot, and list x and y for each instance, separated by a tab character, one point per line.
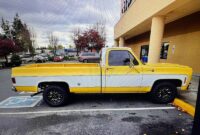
183	35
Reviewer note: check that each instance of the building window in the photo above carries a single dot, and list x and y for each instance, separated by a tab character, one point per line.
145	50
144	53
164	50
125	4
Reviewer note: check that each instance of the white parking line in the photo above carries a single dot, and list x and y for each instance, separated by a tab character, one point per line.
89	110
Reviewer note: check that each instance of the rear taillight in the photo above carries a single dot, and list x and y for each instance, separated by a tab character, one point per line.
13	80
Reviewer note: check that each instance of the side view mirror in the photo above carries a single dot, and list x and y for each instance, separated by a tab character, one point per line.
129	62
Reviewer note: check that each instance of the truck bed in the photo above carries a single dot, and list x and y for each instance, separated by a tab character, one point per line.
63	65
57	69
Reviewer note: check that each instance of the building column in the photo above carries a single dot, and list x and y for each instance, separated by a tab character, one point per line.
157	30
116	43
121	42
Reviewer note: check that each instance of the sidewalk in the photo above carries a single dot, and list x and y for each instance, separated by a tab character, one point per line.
190	95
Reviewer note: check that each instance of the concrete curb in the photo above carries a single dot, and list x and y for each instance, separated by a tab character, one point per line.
184	106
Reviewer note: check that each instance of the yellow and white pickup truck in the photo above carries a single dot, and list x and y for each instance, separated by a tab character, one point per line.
119	71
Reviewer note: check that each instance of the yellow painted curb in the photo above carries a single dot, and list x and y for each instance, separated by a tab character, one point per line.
185	106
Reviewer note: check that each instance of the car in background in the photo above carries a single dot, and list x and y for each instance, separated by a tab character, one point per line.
39	59
72	52
89	57
3	62
58	58
26	58
45	56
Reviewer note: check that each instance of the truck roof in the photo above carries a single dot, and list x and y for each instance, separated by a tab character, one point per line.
117	47
110	48
103	53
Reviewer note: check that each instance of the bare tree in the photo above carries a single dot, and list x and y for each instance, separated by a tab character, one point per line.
76	34
33	37
101	28
53	42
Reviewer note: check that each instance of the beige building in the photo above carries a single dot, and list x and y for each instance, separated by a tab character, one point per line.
162	30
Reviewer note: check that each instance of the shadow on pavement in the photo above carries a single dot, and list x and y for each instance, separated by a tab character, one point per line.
78	98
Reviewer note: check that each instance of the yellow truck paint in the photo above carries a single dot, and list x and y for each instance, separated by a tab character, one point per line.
56	69
127	90
26	88
85	90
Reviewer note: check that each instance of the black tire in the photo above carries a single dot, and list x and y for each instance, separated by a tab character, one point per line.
55	96
163	93
85	61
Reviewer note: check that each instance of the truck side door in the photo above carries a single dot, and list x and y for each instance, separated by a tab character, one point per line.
119	76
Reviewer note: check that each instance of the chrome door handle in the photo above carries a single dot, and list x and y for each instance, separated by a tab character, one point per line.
150	70
108	68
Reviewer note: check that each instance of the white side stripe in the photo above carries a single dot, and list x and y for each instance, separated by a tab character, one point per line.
95	81
89	110
73	81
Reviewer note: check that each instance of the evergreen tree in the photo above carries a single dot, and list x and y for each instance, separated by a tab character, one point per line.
16	38
6	28
17	32
22	35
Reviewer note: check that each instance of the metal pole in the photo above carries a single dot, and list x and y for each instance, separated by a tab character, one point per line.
196	124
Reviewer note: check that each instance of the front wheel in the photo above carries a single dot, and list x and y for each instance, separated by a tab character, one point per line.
55	96
163	92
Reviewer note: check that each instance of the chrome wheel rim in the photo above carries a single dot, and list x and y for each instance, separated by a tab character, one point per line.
55	97
165	93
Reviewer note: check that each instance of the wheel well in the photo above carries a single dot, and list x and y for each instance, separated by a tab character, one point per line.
176	82
43	85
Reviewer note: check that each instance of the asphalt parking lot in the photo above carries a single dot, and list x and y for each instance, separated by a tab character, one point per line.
92	114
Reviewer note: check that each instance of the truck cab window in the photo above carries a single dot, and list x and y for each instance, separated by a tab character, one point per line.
120	58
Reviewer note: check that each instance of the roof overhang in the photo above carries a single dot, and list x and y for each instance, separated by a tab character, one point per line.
137	19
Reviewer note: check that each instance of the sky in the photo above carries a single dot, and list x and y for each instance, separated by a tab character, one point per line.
61	17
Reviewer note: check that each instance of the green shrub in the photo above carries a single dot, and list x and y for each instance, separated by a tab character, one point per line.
16	60
66	58
50	58
72	58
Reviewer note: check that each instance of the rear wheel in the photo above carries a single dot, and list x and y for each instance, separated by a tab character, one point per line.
55	96
163	92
